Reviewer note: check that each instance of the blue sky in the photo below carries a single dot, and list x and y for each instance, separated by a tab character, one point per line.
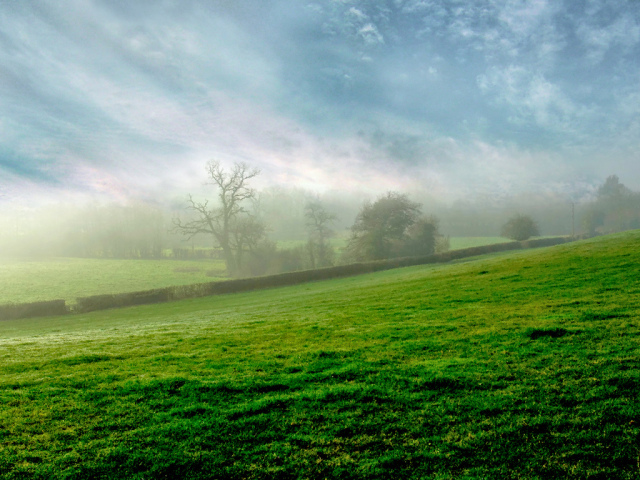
455	98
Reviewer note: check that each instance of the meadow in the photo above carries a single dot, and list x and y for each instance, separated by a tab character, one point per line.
41	279
519	365
456	243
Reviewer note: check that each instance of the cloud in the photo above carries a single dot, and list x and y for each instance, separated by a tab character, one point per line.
124	97
599	40
370	34
529	99
523	17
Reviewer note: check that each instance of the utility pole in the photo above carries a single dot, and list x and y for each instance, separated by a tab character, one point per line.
573	220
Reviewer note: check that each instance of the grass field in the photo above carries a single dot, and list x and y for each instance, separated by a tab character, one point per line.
523	365
24	281
456	243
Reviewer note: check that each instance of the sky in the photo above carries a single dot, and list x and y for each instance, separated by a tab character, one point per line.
456	99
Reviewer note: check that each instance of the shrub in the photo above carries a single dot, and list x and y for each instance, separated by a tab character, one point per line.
520	227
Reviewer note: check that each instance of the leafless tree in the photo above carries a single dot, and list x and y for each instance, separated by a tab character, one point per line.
233	228
318	221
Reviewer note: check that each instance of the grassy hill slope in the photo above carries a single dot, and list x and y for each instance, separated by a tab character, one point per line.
523	365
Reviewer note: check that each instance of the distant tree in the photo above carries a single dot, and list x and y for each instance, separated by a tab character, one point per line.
520	227
421	237
592	220
234	229
443	244
381	227
318	222
612	188
247	233
618	206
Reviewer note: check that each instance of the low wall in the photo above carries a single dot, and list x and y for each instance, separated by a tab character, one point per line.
33	309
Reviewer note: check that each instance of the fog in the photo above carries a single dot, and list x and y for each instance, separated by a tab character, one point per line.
136	229
477	111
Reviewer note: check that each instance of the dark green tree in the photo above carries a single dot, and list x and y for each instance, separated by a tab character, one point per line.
421	237
381	227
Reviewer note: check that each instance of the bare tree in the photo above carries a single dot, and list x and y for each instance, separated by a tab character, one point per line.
247	233
318	222
233	228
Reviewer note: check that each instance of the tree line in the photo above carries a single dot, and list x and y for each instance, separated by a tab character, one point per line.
285	229
392	226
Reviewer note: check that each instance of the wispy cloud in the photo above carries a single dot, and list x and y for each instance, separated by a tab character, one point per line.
530	97
622	33
125	97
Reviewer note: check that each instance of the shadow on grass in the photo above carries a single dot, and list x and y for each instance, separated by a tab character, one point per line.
555	332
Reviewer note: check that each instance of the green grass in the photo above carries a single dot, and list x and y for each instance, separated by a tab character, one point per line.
457	243
524	365
24	281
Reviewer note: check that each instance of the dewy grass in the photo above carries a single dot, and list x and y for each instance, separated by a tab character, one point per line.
523	365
